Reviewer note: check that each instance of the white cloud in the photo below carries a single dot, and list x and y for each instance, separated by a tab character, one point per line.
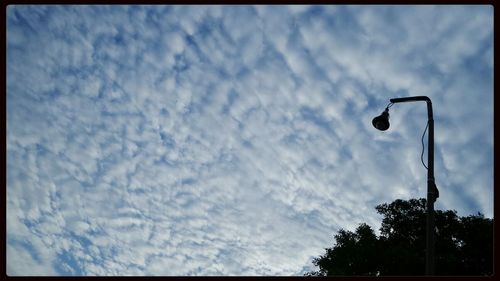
231	140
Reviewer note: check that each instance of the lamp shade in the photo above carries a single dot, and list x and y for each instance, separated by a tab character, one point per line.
381	122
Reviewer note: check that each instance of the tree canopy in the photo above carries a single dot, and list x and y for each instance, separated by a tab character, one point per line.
464	245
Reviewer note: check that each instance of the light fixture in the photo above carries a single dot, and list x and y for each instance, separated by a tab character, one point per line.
381	122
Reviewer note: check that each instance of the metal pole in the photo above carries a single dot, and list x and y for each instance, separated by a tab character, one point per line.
432	192
431	196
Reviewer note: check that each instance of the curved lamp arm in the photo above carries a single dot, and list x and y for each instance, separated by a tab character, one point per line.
417	98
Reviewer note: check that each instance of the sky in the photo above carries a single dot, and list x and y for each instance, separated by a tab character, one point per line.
233	140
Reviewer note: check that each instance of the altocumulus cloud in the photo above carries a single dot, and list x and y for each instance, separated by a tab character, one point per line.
232	140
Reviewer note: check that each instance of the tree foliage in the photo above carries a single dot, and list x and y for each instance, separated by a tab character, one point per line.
464	245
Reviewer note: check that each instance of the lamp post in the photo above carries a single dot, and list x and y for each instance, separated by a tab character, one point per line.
381	122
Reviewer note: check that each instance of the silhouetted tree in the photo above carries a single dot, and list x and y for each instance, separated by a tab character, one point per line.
464	245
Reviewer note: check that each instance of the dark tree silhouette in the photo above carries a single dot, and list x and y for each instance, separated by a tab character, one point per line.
464	245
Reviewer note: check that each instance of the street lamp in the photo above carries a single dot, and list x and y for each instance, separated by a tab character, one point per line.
381	122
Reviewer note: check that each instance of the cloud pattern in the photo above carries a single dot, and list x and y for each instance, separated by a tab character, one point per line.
232	140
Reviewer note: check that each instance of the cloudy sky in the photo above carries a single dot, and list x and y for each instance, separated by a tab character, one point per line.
233	140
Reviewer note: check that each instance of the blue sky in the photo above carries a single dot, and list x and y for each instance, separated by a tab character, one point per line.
232	140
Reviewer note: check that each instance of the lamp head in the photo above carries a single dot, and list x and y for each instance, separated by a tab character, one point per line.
381	122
